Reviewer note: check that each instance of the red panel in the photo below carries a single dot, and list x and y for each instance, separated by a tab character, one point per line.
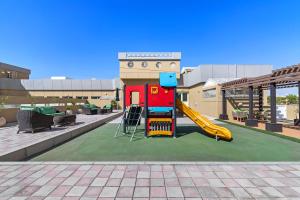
135	88
160	96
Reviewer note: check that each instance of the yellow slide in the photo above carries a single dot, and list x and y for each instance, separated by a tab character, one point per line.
203	122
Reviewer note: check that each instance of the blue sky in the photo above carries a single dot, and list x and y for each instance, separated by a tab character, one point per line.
80	39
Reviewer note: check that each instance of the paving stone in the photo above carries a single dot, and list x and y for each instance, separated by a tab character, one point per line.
171	182
157	192
92	192
222	175
71	180
273	182
288	192
76	191
255	192
190	192
61	190
143	174
109	192
169	174
126	192
44	191
140	182
244	182
201	182
128	182
271	192
156	182
230	183
84	181
99	182
186	182
91	173
174	192
42	181
141	192
157	175
240	193
114	182
215	183
117	174
27	191
207	192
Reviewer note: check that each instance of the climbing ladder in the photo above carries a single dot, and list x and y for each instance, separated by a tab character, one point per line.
130	119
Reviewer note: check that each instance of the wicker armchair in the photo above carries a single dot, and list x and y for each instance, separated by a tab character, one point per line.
30	120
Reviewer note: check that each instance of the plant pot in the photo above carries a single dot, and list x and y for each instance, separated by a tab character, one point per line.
69	112
2	121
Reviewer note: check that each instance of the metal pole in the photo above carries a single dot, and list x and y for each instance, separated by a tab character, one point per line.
224	115
146	109
299	100
174	114
124	107
224	103
250	102
273	102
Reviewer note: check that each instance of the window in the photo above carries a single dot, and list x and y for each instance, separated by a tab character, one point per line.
209	93
173	65
81	97
130	64
144	64
67	97
158	65
95	97
9	75
184	97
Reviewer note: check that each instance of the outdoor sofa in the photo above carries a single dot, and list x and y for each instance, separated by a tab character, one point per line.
34	118
106	109
90	109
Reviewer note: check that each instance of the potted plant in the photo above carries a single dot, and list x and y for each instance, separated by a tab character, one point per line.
2	103
69	110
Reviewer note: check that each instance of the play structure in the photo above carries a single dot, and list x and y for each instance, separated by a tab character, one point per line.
158	103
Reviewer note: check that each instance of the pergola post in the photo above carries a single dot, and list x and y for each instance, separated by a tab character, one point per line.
297	120
251	121
273	126
224	115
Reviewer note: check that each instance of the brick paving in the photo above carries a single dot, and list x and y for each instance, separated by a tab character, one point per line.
11	142
87	180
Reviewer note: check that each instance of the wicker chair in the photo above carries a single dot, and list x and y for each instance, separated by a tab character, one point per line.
30	120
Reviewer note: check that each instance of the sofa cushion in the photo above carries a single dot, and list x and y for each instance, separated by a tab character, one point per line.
47	110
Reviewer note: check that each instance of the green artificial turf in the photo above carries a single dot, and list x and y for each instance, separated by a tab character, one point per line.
247	145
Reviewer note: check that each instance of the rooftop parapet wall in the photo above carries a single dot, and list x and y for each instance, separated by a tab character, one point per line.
57	85
224	71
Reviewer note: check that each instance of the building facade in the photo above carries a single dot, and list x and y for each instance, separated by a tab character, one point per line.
199	86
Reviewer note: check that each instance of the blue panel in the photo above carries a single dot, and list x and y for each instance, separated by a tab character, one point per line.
167	79
160	109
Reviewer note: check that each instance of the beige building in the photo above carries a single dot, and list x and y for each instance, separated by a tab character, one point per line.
138	68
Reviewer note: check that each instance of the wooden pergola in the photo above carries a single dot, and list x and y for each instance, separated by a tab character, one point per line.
281	78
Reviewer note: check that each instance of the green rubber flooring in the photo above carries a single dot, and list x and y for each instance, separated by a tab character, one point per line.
248	145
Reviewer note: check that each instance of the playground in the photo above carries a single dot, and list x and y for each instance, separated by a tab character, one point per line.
158	137
190	145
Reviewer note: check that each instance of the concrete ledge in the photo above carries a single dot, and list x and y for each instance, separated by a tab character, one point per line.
48	143
251	122
274	127
223	117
